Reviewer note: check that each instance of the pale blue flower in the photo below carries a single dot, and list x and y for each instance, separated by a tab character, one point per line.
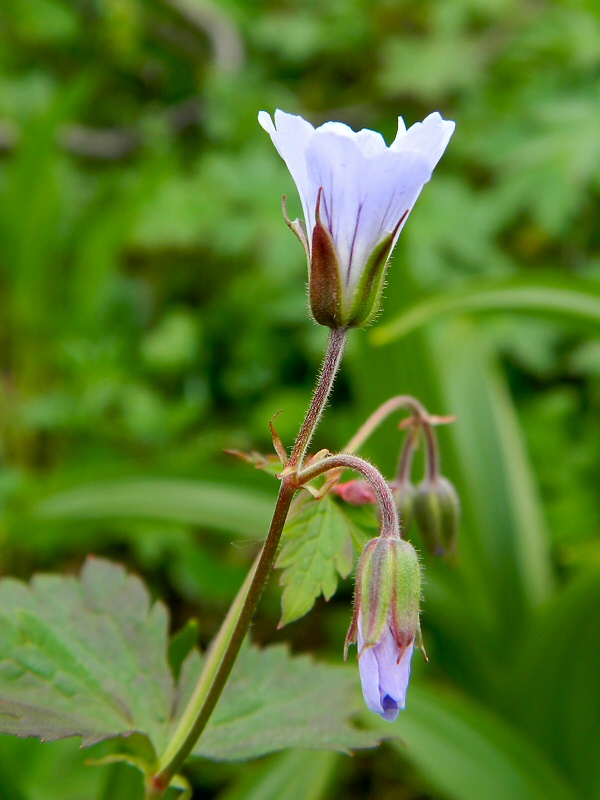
384	673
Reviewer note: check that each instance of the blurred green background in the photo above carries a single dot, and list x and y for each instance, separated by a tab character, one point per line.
153	312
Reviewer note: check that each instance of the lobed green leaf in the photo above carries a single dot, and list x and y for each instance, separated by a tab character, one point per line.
274	701
89	657
317	548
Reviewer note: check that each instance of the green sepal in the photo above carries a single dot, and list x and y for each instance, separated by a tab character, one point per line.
367	295
388	591
375	587
297	227
406	599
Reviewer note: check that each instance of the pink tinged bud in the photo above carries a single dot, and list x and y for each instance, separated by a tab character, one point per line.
386	621
356	194
357	493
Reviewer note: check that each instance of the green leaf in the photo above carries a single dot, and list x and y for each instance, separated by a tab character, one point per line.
317	547
498	479
211	505
88	657
572	298
275	701
295	775
469	753
557	678
84	657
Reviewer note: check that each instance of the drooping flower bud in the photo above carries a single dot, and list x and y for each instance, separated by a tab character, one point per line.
437	512
356	194
386	621
356	492
404	495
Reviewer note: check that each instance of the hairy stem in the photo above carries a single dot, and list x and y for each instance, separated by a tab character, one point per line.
226	646
331	365
423	420
390	523
381	414
406	455
432	468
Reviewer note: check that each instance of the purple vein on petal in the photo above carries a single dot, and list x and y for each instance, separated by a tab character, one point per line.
382	226
331	204
360	208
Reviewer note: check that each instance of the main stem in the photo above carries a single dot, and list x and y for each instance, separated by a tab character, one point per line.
226	646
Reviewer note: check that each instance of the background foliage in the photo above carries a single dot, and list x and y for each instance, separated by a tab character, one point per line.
153	313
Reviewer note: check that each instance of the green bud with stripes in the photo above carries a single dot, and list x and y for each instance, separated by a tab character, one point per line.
388	593
404	496
437	512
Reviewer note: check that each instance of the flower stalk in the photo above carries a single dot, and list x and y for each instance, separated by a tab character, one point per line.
390	524
356	195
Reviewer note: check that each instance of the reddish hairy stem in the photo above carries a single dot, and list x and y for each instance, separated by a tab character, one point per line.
331	365
390	523
423	417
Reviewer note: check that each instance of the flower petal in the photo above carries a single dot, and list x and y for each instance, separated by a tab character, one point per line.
384	679
429	137
393	675
290	135
334	162
390	188
369	142
364	197
369	673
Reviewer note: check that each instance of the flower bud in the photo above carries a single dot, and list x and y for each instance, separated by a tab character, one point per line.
357	493
386	621
404	496
437	512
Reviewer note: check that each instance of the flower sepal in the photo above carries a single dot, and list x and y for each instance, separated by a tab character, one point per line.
367	295
325	280
297	227
404	496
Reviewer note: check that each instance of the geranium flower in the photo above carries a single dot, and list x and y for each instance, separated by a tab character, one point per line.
356	194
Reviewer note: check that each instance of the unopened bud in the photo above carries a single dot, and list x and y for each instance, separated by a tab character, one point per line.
386	621
437	512
357	493
404	496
